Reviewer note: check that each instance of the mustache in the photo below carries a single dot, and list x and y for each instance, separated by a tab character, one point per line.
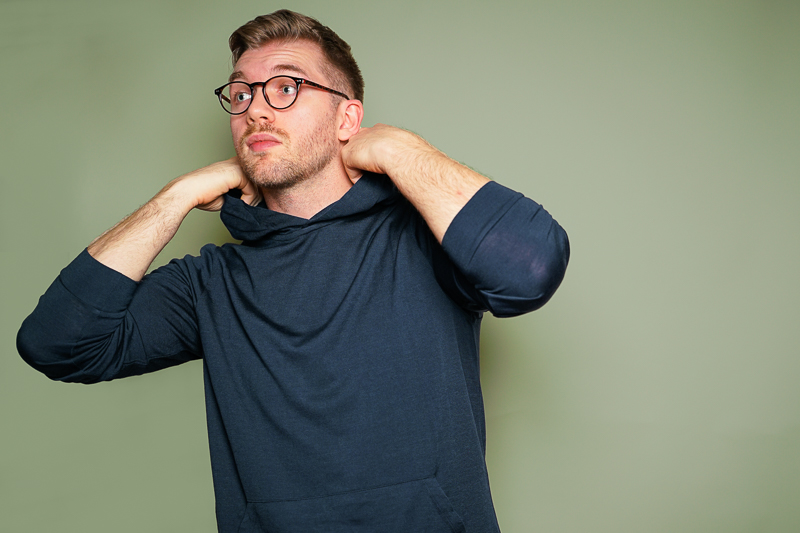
263	127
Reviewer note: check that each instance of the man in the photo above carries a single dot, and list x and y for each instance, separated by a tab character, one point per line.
340	339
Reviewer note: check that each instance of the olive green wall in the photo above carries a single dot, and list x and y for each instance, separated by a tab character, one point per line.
657	392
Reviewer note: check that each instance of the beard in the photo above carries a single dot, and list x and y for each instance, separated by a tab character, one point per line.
304	158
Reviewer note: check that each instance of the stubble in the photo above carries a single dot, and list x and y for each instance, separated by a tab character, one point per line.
302	158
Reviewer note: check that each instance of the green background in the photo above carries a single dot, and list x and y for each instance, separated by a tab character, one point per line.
658	391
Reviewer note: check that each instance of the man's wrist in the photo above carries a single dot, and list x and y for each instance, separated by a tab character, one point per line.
408	151
177	198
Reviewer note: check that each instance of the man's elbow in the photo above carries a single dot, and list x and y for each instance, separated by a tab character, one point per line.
540	274
37	347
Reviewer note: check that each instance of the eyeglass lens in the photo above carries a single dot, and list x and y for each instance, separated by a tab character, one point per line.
280	91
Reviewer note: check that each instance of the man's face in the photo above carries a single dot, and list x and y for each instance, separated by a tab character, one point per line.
280	148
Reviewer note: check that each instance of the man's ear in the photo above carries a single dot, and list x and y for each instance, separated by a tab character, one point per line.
350	112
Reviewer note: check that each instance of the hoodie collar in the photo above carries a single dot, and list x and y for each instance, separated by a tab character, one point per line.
253	223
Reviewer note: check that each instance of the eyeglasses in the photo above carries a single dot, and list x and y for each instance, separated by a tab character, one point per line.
280	92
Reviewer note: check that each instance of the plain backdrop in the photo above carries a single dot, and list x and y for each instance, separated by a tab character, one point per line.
657	391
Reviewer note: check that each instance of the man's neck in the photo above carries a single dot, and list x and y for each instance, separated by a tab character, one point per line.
310	196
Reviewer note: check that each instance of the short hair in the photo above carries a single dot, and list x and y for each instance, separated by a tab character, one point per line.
285	25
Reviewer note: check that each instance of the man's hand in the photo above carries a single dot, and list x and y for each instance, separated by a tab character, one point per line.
437	186
378	148
132	245
206	186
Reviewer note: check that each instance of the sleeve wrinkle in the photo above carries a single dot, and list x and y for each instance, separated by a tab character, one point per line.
488	231
87	329
511	252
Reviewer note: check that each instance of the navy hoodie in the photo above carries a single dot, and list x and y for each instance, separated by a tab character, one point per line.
340	353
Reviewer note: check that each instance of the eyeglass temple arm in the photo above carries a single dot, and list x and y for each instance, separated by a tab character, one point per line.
318	86
219	93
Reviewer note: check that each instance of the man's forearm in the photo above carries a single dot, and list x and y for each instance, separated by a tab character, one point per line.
132	245
438	186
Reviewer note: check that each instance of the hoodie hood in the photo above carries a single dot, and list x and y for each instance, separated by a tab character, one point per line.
254	223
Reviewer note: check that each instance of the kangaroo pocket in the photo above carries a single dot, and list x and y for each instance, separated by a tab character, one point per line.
419	506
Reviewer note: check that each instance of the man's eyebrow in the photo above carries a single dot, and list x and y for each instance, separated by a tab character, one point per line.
239	75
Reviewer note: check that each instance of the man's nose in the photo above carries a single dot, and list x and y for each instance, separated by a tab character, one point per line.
259	108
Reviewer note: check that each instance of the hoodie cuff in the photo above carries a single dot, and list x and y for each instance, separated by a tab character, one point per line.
97	285
476	219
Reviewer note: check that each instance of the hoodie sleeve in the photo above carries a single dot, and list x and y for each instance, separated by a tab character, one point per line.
510	254
95	324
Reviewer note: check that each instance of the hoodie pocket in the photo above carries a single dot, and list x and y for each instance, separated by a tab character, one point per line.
419	506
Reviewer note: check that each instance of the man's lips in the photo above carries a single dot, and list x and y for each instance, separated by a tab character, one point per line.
260	142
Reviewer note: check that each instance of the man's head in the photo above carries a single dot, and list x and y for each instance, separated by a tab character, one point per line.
278	146
284	25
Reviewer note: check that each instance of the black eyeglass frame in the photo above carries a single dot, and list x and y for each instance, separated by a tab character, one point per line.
298	82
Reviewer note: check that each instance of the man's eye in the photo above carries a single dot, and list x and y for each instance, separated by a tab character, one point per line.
287	90
240	97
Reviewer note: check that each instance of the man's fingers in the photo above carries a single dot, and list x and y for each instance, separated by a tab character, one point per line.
250	193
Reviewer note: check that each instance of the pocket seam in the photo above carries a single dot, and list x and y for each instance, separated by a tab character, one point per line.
438	497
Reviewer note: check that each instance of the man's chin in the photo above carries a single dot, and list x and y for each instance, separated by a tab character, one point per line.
268	177
276	184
